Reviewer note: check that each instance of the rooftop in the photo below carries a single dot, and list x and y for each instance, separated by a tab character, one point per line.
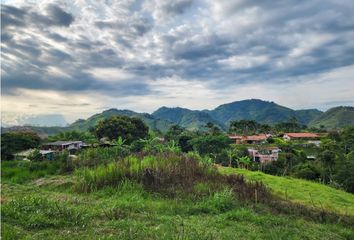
59	143
302	135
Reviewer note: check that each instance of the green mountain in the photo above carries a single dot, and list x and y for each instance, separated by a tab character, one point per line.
335	118
152	122
189	119
253	109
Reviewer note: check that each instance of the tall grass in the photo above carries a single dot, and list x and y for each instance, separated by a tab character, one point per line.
92	157
23	171
151	170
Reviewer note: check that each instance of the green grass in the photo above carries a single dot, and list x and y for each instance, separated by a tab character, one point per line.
24	171
301	191
129	212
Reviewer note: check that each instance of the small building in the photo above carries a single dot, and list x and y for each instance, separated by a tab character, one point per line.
264	155
23	155
236	138
300	136
71	146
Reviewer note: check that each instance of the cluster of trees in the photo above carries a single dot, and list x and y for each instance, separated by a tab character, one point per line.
14	142
248	127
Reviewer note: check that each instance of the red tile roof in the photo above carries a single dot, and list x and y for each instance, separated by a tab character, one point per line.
235	137
302	135
259	137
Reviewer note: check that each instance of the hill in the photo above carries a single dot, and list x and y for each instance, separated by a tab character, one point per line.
151	121
301	191
189	119
260	111
253	109
336	117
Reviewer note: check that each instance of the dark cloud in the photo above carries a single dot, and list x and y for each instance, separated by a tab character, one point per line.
232	43
177	7
21	17
12	16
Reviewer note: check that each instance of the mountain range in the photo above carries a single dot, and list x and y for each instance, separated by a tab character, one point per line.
253	109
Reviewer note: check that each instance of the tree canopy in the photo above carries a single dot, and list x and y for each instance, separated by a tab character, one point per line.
129	129
13	142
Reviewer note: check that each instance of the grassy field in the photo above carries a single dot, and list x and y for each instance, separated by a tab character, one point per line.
48	209
51	207
301	191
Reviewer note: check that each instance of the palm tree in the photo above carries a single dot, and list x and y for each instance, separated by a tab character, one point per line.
231	153
244	161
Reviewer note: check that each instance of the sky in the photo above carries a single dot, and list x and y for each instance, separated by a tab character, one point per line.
80	57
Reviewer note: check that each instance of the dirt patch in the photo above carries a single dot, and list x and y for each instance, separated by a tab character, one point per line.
56	182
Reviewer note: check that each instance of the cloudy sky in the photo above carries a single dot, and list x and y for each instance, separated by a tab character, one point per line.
79	57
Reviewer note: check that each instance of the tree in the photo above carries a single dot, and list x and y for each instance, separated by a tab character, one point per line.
307	171
210	144
231	153
212	129
174	132
345	176
127	128
13	142
244	162
244	127
292	125
184	143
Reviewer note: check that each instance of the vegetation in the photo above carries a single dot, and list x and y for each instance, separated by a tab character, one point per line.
13	142
176	186
129	129
337	117
300	191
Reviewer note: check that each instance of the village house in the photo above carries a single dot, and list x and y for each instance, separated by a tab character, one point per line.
236	138
71	146
300	136
253	139
264	155
23	155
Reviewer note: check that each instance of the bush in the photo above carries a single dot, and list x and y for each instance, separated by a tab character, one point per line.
345	176
210	144
307	171
218	202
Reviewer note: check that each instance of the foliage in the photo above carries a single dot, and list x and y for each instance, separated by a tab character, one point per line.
244	162
74	135
334	118
301	191
23	171
292	125
35	156
307	171
129	129
210	144
244	127
13	142
345	176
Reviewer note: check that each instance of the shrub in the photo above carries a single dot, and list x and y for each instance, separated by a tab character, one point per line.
307	171
218	202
